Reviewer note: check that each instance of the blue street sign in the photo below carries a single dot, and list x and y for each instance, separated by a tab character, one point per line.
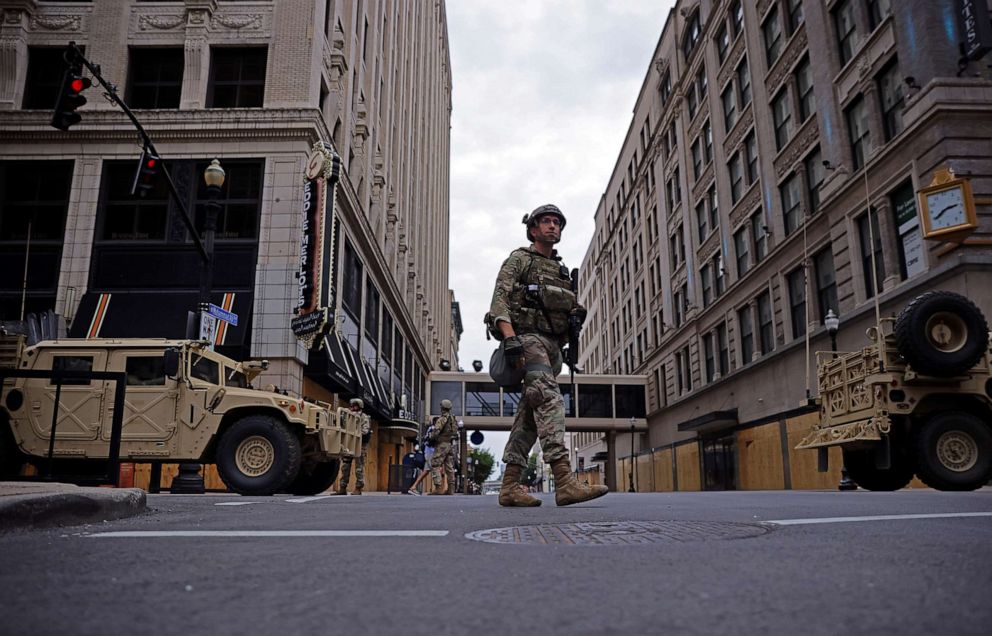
222	314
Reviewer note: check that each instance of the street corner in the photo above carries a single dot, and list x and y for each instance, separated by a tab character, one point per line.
28	506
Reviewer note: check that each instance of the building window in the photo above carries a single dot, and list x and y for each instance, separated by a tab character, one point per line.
697	157
907	224
237	78
707	142
709	357
890	89
766	329
371	340
742	249
760	237
722	42
870	249
702	220
665	88
826	282
751	155
859	134
736	17
240	200
772	30
707	283
691	101
46	66
723	348
736	178
878	10
691	36
796	281
847	33
791	208
729	108
351	292
814	179
744	83
782	118
746	324
719	282
127	218
804	83
794	15
714	207
155	77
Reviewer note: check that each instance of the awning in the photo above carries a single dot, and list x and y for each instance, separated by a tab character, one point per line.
711	422
337	366
156	314
398	424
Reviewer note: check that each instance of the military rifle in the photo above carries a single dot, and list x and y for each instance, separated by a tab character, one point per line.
575	320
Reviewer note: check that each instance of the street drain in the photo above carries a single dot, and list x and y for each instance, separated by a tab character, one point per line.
619	533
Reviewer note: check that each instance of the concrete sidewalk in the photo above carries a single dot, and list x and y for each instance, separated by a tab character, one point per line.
29	505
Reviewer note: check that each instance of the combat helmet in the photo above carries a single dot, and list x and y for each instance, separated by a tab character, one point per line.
530	220
445	405
357	402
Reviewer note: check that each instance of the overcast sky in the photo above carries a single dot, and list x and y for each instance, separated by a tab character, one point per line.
543	93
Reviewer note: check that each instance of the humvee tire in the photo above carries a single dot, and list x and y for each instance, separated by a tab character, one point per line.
315	477
860	465
258	455
954	451
941	333
11	458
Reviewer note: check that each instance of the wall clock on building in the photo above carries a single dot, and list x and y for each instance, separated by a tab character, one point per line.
947	206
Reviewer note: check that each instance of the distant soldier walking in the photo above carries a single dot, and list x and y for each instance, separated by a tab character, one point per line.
356	406
445	431
530	311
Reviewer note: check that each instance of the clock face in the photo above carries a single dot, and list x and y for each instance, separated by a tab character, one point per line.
315	165
946	208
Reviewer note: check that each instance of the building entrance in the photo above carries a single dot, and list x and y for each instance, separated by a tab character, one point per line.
720	463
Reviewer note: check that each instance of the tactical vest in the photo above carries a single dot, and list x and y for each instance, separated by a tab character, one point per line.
447	428
542	297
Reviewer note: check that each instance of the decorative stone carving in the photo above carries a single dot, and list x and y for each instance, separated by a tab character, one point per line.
800	144
730	64
160	22
697	121
783	66
702	184
763	8
736	135
710	245
746	205
250	22
56	22
197	17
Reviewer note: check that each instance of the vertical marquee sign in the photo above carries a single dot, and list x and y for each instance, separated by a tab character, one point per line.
315	276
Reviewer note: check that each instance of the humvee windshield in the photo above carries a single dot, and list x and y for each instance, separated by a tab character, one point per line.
235	378
205	369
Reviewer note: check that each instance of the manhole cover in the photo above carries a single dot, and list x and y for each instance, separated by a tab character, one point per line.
619	533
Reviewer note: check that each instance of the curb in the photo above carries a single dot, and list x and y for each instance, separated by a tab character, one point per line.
78	506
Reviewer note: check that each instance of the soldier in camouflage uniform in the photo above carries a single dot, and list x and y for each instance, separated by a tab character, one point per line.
445	431
529	313
356	406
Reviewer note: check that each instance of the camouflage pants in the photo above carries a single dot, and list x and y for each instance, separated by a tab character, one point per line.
443	456
541	413
359	469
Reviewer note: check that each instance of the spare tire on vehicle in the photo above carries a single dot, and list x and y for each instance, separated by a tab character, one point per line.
941	333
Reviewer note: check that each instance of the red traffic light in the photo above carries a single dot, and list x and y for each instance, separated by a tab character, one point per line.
78	85
150	163
70	98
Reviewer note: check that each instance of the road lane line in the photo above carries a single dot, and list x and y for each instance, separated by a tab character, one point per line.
236	503
806	522
270	533
308	499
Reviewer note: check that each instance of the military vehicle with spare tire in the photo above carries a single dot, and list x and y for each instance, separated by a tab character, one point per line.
917	400
183	403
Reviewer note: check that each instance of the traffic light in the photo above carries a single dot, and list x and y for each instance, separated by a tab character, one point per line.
70	97
148	170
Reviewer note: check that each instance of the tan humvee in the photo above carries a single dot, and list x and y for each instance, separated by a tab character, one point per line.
183	402
918	399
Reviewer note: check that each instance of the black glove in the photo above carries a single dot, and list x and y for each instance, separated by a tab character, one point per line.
513	352
579	313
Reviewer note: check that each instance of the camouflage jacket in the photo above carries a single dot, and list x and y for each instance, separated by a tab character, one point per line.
533	293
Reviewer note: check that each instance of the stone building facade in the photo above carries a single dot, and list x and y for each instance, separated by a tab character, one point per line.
255	84
763	134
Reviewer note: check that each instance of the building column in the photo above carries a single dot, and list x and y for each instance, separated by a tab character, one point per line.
197	54
13	53
611	460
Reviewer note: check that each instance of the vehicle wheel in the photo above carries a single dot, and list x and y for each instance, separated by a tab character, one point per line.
941	333
314	478
954	452
11	458
860	465
258	455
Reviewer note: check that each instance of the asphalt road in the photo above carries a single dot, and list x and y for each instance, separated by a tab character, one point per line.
711	564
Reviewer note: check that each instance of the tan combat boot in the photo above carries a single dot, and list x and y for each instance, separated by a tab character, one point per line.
342	490
512	492
569	490
438	489
356	491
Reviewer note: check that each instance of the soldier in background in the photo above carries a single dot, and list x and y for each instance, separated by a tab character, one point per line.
356	406
445	431
529	314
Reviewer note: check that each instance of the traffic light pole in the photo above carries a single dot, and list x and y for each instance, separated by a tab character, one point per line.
147	141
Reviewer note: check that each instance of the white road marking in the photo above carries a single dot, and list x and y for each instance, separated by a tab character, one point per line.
236	503
805	522
271	533
308	499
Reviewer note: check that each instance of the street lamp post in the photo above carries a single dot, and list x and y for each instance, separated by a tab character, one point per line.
189	480
832	323
630	475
